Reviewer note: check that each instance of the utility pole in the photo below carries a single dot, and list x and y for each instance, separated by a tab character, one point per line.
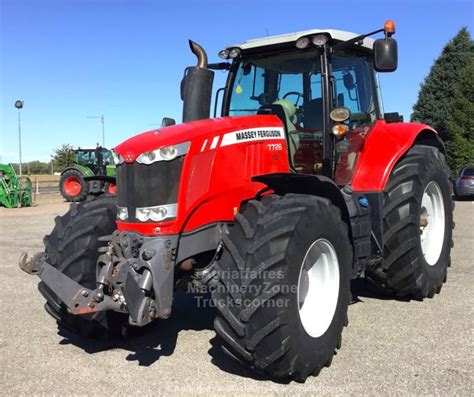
101	117
19	105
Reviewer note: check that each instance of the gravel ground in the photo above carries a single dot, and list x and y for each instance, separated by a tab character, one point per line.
390	347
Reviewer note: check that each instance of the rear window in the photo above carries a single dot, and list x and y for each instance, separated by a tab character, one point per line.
468	172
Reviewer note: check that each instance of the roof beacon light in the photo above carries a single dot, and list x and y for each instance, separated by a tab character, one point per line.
302	43
389	27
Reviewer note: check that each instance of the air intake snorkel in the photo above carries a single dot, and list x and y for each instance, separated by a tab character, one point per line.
196	87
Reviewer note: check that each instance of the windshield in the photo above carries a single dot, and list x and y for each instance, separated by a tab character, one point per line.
85	157
468	172
262	81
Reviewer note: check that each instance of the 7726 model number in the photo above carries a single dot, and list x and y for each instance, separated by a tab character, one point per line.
274	146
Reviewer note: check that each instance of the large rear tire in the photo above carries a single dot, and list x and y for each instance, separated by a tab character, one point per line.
284	285
73	187
72	247
418	221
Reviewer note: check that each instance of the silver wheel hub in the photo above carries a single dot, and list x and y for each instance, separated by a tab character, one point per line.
318	288
432	223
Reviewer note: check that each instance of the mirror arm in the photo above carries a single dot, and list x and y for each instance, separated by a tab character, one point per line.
219	66
345	44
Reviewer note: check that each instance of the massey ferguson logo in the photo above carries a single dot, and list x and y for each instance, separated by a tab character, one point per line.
257	134
253	134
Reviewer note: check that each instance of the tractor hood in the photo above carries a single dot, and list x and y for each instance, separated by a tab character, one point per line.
190	132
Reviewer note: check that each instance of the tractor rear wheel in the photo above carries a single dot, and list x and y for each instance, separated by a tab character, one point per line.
72	247
283	289
73	187
418	221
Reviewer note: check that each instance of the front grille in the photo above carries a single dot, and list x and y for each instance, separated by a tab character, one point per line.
141	185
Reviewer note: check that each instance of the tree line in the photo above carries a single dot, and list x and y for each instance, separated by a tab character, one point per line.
446	100
60	159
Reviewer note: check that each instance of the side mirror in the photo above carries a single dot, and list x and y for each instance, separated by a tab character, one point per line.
348	80
385	55
167	121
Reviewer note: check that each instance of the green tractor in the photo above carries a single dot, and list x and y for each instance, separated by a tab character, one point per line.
89	174
15	191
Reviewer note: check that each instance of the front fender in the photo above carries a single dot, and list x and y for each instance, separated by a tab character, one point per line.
315	185
356	215
384	146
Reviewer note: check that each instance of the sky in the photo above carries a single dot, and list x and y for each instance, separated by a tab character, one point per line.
124	59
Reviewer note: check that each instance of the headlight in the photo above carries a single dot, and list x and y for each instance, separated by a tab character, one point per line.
118	159
319	40
143	214
234	53
122	213
157	214
166	153
302	43
224	54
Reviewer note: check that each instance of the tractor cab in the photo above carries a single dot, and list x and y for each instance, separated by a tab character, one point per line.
302	77
289	84
95	159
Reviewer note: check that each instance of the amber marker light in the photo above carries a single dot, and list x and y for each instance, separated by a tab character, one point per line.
339	130
389	27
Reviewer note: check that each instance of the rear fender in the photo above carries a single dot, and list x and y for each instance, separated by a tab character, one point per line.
384	147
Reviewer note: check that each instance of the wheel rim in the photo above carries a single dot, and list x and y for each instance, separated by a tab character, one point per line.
112	188
72	186
318	287
432	223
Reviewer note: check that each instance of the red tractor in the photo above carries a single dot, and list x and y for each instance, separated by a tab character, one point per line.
302	185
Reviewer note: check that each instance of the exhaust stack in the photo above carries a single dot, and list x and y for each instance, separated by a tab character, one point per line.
196	87
200	54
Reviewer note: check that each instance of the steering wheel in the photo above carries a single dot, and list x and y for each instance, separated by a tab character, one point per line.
298	95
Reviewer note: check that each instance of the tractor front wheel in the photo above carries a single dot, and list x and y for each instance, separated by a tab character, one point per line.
73	248
283	288
418	221
73	187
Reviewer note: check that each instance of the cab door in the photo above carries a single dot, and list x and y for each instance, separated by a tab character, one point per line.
353	87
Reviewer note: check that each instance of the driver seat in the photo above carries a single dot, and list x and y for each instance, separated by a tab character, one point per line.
286	111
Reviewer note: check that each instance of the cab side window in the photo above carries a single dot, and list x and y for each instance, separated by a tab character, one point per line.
352	88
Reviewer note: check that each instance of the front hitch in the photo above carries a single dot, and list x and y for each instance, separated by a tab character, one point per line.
135	275
78	299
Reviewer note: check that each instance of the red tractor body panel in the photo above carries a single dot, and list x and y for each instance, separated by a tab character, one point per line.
380	149
224	155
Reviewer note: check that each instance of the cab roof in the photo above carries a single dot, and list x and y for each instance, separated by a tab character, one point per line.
293	37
